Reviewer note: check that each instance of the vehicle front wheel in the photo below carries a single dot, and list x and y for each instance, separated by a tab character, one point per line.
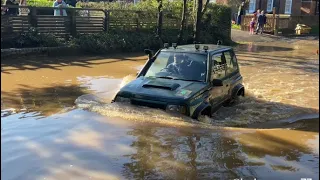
204	118
205	115
234	99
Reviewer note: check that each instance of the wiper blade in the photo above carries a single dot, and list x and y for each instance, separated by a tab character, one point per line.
190	80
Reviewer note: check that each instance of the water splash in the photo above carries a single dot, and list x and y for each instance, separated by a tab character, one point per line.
127	79
254	108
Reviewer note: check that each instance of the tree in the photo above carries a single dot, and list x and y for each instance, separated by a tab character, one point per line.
199	13
183	21
160	15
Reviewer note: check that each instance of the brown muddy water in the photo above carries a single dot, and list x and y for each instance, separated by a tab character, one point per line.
272	133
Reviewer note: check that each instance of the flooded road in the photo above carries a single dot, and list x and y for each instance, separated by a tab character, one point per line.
272	133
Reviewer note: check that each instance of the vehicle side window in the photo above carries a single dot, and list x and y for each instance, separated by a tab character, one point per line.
231	62
218	70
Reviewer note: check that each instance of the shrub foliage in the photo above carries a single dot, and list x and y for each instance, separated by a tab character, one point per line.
215	25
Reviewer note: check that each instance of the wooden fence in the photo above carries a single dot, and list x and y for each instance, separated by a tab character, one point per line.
95	20
281	21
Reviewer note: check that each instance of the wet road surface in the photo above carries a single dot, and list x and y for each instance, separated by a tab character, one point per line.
272	133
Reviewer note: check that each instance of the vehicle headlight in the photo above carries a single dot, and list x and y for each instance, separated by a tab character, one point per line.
177	108
122	99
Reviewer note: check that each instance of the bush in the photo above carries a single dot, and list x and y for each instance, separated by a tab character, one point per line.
40	3
31	39
315	30
286	31
172	9
216	24
101	43
235	26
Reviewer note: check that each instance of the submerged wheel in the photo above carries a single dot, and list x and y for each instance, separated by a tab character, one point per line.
234	98
204	119
205	115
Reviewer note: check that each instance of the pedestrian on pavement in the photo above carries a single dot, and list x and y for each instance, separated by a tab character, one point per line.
72	3
262	20
61	4
11	11
241	11
252	23
256	14
23	11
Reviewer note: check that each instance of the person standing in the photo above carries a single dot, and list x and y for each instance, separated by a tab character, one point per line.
256	14
11	11
72	3
60	12
241	11
23	11
252	23
262	20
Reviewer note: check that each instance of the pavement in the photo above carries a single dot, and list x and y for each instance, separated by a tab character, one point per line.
244	36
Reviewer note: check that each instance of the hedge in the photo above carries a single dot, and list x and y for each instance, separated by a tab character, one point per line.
215	26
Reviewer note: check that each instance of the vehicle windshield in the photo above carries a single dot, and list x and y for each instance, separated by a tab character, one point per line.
180	66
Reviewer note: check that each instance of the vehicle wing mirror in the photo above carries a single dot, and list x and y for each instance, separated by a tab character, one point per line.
216	82
148	52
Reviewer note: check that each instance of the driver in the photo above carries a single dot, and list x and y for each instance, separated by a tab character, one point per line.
176	66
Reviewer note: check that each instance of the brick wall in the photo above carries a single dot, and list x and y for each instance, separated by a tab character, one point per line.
296	8
308	8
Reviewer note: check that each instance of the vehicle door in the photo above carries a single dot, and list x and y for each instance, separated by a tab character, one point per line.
232	71
218	71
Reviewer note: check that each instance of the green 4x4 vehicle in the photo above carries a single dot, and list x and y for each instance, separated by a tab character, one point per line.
194	80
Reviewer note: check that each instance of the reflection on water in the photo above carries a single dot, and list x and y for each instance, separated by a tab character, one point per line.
79	144
42	128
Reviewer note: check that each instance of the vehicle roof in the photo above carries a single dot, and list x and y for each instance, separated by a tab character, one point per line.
191	48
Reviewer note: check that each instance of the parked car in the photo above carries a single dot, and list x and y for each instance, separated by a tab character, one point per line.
194	80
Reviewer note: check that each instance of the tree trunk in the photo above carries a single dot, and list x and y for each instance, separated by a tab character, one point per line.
204	8
197	23
160	14
183	21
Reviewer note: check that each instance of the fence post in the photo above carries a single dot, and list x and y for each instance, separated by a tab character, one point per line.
273	18
242	22
276	25
138	22
33	17
73	25
106	20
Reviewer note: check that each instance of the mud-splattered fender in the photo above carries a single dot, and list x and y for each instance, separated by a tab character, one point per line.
199	103
202	106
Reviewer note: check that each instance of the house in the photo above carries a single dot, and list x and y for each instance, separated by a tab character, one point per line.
290	7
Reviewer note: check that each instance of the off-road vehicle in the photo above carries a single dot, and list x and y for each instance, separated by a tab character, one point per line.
194	80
